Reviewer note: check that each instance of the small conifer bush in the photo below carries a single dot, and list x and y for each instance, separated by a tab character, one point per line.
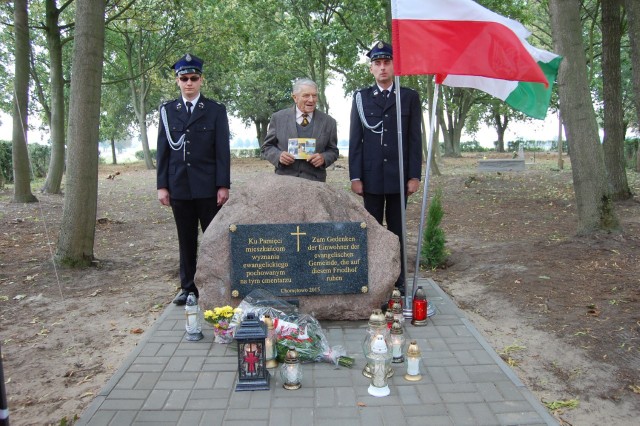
433	253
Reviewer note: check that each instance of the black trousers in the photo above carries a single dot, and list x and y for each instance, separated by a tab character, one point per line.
387	206
187	214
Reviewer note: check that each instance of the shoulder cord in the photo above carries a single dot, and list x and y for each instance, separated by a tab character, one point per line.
363	119
176	146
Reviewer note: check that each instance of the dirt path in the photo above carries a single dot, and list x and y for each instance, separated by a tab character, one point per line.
562	310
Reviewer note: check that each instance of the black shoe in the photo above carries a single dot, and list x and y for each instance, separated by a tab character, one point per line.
181	299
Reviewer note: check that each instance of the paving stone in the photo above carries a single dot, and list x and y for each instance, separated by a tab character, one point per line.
171	381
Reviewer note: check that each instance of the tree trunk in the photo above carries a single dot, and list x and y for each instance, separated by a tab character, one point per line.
435	170
20	157
613	143
114	160
77	232
560	159
144	138
500	126
594	204
56	124
261	130
139	101
633	22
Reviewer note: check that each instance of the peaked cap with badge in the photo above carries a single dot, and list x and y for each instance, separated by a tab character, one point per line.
380	50
188	64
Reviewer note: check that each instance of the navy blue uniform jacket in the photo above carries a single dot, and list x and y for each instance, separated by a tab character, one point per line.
205	163
374	158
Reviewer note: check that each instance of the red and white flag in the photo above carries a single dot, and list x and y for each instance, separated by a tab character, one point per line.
467	45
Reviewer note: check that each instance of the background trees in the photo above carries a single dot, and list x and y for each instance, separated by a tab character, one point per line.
254	50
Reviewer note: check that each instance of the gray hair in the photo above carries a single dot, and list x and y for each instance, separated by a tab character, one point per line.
299	83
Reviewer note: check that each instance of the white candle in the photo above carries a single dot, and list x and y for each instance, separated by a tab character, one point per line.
413	366
292	373
269	349
397	353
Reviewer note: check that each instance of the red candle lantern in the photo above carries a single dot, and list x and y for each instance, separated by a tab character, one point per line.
420	306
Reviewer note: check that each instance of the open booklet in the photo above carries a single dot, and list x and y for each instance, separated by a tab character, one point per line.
302	148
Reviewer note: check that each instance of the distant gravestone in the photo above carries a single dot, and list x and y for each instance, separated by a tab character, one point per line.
501	165
282	204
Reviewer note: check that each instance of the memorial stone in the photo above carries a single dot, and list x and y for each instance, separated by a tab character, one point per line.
282	201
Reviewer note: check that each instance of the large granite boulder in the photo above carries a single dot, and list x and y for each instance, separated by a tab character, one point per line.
270	199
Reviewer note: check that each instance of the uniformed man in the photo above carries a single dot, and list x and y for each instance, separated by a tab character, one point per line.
193	161
373	144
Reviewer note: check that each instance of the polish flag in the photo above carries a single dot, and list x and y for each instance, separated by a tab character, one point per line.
459	37
467	45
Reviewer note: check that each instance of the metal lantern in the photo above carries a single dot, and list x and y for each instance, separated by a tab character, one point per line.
420	306
396	297
414	359
270	351
252	370
397	342
388	318
291	370
194	319
376	326
397	313
379	358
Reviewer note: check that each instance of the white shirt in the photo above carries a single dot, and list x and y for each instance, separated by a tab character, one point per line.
390	89
193	102
299	116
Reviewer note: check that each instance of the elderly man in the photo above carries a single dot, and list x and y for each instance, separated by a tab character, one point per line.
302	122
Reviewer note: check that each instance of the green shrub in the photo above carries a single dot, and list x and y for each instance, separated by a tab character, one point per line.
39	155
140	154
245	153
631	152
471	146
6	163
433	252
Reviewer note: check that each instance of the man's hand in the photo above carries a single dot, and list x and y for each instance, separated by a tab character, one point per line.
286	158
412	186
223	195
356	187
317	160
163	196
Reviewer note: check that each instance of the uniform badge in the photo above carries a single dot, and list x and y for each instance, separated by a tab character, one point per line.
178	106
200	105
380	46
375	92
188	58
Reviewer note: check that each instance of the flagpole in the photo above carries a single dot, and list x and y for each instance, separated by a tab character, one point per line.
425	189
402	195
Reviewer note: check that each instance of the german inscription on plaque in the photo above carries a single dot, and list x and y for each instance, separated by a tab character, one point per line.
299	259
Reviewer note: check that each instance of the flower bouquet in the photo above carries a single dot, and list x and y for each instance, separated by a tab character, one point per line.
223	322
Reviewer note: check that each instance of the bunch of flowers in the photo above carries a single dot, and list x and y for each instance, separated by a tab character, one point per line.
220	318
224	321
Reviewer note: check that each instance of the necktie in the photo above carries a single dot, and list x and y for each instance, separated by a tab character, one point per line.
385	94
189	105
305	121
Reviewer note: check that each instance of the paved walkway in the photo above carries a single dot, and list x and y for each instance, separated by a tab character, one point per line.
169	381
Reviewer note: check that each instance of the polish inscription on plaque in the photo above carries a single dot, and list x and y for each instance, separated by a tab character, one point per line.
299	259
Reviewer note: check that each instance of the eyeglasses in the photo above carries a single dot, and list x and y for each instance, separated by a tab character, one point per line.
192	78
